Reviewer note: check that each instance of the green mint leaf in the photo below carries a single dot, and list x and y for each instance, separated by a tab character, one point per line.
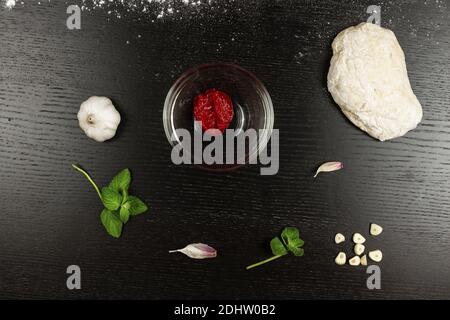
136	205
111	198
124	196
121	182
112	223
124	213
277	247
289	233
297	243
292	241
298	252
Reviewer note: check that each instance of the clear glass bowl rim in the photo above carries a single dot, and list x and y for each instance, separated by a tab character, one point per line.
176	88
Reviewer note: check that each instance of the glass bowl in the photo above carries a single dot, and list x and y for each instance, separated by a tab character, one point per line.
252	106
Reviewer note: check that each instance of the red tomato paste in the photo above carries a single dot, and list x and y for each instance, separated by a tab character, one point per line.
214	109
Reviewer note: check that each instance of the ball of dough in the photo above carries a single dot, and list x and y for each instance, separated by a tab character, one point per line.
369	81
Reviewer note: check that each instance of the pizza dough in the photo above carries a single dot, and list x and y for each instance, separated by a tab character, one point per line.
369	81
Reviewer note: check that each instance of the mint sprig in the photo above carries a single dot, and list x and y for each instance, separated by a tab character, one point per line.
119	205
290	242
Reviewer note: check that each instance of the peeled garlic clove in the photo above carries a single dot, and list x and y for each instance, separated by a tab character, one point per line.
376	255
341	259
198	251
99	118
355	261
375	229
359	249
358	238
364	260
329	167
339	238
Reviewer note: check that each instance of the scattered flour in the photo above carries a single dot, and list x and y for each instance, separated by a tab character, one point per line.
158	8
183	9
154	9
9	4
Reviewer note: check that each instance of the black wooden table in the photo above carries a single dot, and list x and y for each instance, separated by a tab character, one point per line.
49	215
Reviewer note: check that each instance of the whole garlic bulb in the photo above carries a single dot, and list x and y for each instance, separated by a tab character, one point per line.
99	118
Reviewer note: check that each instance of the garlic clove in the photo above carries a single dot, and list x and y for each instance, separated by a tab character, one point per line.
341	259
355	261
364	260
359	249
98	118
197	251
358	238
375	229
329	167
376	255
339	238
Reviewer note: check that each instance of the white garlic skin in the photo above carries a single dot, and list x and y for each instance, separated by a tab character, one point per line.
98	118
197	251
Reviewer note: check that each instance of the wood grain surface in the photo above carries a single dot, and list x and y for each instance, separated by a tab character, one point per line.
49	215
